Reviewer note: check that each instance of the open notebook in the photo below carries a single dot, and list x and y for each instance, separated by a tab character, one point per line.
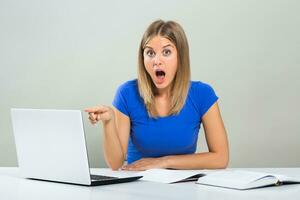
242	179
158	175
172	176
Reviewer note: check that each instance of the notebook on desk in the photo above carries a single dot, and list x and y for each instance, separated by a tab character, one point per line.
244	179
51	146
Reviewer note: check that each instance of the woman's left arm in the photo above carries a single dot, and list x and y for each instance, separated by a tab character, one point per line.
216	158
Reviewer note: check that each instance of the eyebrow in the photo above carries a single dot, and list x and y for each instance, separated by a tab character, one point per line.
168	45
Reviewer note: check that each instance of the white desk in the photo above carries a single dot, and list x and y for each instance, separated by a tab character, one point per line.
12	187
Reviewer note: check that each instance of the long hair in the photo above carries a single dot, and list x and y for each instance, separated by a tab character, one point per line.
181	82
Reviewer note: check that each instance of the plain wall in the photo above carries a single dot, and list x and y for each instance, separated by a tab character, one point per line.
74	54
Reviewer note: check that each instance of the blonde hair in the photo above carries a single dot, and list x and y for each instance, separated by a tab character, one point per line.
181	82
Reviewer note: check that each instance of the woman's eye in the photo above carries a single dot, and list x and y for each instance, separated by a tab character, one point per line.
150	53
166	52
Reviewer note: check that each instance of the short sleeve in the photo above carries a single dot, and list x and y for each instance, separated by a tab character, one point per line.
206	97
119	101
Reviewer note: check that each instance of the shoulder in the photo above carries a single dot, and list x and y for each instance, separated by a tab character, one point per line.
128	85
202	95
129	90
200	87
126	96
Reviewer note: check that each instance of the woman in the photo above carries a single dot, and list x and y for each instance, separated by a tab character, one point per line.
156	119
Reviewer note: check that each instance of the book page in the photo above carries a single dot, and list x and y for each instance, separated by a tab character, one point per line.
168	175
238	179
283	178
156	175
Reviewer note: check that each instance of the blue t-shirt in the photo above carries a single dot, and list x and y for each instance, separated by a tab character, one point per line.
162	136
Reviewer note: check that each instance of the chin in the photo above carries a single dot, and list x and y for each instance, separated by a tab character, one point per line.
162	86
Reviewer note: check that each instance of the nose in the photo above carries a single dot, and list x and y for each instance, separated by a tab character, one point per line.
157	60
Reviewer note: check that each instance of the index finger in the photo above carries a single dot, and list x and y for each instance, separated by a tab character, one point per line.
96	109
91	110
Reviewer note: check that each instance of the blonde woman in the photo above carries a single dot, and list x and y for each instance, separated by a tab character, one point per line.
155	120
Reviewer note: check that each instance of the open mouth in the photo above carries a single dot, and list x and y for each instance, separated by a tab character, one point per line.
160	73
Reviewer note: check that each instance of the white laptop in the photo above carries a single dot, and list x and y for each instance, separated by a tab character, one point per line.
51	146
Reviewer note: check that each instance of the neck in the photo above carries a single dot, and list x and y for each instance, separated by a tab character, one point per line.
163	93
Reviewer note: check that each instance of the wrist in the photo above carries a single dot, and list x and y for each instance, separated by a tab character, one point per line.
108	122
166	161
110	119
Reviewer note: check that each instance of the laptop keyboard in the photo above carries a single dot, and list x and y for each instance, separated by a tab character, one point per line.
101	178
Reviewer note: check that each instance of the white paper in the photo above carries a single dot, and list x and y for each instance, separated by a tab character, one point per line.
155	175
168	176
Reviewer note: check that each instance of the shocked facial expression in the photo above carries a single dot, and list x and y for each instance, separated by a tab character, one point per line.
160	60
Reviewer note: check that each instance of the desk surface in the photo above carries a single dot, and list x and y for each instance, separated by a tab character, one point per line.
13	187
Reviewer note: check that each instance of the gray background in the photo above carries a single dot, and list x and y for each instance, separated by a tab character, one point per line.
73	54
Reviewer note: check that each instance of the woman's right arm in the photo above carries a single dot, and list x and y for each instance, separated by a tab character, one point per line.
116	128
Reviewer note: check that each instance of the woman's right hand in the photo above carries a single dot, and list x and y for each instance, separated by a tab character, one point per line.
97	113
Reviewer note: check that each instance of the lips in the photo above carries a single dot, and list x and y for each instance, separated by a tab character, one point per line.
159	76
